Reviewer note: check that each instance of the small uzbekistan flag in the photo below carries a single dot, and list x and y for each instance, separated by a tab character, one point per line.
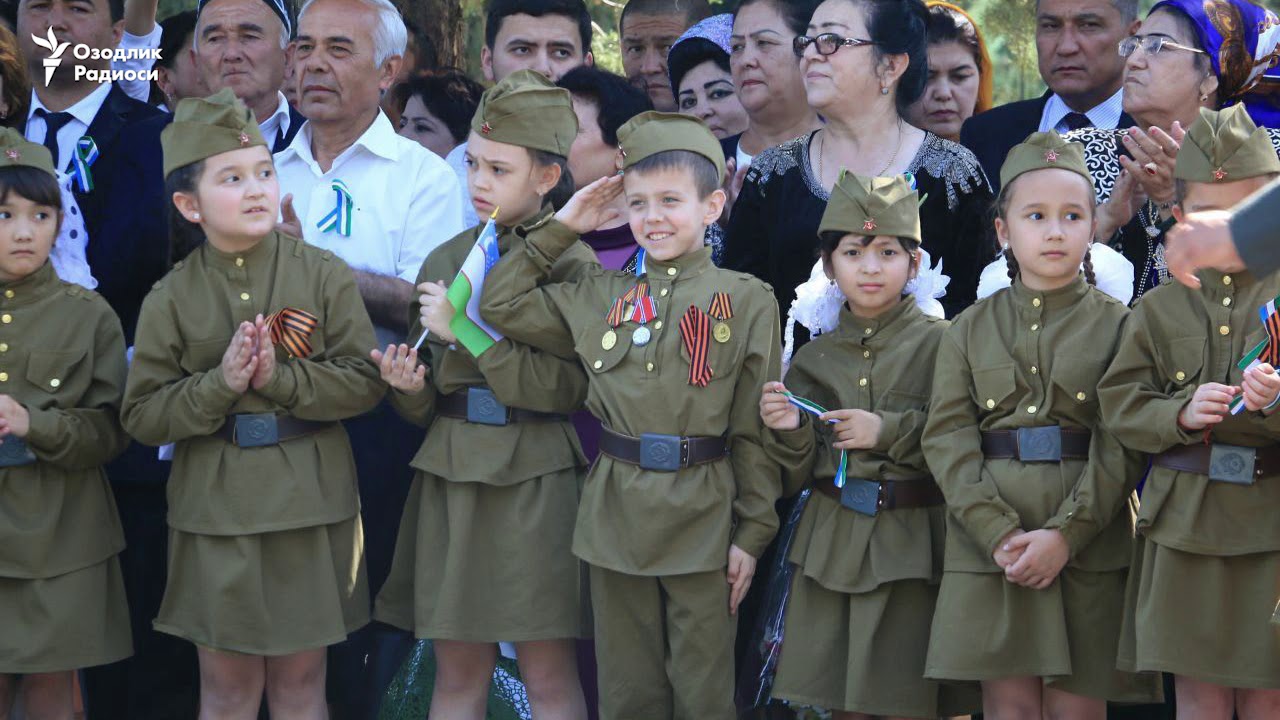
464	294
1266	351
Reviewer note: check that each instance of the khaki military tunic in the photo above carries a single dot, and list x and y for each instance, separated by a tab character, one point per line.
484	550
657	542
864	589
265	551
1208	556
1023	358
62	357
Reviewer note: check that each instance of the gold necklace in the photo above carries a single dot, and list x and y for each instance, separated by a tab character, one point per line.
822	149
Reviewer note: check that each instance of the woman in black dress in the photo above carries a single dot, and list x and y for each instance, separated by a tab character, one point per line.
864	63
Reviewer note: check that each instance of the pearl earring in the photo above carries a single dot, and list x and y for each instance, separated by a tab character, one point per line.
197	216
884	91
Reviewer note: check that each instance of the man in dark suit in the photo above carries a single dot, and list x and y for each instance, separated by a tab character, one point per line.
241	44
1077	45
128	251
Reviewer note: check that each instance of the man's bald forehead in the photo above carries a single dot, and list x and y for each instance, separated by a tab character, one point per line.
692	10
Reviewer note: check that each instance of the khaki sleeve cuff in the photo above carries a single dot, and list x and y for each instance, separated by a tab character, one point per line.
42	430
281	387
753	537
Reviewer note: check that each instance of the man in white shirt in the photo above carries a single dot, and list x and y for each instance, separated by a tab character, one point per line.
551	37
242	44
1077	44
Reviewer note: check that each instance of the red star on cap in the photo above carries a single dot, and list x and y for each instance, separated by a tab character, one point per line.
1219	174
13	154
1051	156
244	139
486	128
869	225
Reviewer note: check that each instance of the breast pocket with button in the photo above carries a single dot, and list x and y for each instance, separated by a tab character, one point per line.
54	373
993	385
1179	362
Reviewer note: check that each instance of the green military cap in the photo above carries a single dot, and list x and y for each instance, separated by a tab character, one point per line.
652	132
873	206
204	127
1043	150
15	151
1223	146
526	109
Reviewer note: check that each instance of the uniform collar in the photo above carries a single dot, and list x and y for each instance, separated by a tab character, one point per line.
379	139
33	287
686	266
886	325
240	260
1036	300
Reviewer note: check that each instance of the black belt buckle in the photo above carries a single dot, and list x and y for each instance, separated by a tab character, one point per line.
259	430
484	409
862	496
660	453
14	452
1232	464
1040	444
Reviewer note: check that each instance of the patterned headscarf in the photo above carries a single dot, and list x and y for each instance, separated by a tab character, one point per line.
1241	39
707	40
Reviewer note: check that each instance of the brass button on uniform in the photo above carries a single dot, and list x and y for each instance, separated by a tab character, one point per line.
6	318
1031	409
1224	330
239	262
649	367
866	331
8	294
663	292
990	403
1036	302
1035	327
1180	376
672	271
1226	302
1035	370
598	364
1080	396
1226	279
244	296
4	347
657	325
4	377
862	382
866	353
55	383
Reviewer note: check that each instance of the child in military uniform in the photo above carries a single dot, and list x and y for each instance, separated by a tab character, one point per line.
675	354
869	543
1038	533
62	372
1203	583
248	354
484	548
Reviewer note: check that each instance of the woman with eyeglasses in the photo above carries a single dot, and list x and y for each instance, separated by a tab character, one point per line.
864	63
1187	54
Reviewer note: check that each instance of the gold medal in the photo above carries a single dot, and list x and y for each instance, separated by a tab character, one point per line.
722	333
609	340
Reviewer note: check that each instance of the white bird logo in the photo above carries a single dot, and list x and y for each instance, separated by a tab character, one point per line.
55	49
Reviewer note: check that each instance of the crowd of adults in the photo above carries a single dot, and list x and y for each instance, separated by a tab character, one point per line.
798	91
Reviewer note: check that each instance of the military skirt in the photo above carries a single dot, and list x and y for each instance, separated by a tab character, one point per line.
75	620
485	563
987	628
1207	617
852	640
274	593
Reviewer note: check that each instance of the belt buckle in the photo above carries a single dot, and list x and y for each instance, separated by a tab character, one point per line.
485	409
861	496
1232	464
1040	444
14	452
257	430
660	453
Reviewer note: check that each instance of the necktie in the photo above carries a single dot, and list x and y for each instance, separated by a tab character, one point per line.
1077	121
53	121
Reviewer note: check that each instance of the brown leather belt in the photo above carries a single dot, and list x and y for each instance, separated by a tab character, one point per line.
1039	444
1224	463
661	453
870	496
479	406
265	429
